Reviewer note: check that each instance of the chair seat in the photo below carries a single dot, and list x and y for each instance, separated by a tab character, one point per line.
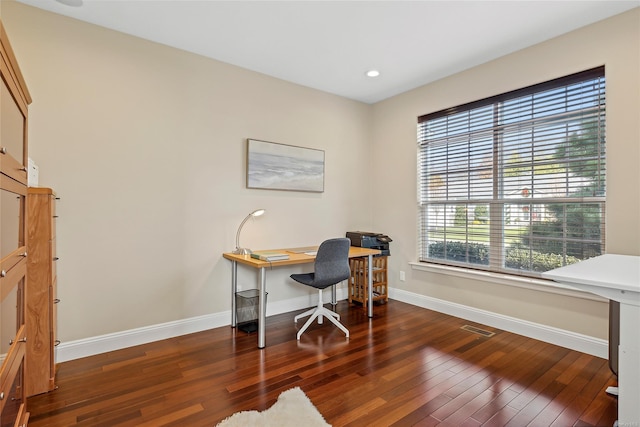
304	278
309	279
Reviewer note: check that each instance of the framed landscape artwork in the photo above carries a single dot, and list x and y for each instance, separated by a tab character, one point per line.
275	166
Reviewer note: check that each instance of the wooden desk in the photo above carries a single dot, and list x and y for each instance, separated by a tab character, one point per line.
294	259
616	277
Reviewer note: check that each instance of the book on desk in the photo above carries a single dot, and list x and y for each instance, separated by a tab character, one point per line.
270	256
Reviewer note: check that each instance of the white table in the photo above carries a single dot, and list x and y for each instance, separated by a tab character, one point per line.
616	277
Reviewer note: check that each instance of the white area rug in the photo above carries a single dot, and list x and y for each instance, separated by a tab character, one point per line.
293	409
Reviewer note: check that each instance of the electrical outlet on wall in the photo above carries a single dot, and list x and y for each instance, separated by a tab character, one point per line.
402	276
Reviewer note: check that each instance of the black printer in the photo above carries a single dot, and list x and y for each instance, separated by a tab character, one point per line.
370	240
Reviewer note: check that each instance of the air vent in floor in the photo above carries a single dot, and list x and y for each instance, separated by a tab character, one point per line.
478	331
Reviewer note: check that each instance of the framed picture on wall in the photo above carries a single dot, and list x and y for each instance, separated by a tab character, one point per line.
274	166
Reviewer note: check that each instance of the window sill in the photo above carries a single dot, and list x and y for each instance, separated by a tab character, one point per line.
508	280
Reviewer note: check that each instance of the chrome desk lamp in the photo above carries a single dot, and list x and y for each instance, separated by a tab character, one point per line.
245	251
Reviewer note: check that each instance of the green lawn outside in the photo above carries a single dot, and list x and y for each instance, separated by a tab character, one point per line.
478	233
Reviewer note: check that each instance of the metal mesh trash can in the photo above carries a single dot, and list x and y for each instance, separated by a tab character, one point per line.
247	306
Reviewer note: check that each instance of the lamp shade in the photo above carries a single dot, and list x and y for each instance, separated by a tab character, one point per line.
246	251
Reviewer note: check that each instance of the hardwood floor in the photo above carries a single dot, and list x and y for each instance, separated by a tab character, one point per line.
406	366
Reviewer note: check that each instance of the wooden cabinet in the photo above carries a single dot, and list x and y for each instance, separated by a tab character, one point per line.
14	99
41	299
358	289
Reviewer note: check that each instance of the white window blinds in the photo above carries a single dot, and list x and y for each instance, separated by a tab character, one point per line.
515	183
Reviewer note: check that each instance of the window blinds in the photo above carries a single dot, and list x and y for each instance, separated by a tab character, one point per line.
510	180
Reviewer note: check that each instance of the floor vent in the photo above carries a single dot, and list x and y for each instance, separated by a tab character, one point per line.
478	331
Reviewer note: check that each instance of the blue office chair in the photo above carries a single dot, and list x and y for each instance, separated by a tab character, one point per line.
331	267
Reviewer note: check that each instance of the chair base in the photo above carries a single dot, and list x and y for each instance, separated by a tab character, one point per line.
319	312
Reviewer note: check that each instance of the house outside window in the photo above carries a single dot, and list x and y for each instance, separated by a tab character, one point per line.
515	183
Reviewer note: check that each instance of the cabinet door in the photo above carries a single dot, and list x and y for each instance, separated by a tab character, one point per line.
12	345
12	136
13	412
12	205
11	306
14	101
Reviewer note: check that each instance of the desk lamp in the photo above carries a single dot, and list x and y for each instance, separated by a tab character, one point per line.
245	251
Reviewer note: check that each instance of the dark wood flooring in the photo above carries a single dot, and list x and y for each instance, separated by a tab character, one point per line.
406	366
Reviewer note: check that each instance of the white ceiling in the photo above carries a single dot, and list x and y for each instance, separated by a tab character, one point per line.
329	45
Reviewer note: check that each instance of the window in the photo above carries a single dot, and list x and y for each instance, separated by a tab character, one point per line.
515	183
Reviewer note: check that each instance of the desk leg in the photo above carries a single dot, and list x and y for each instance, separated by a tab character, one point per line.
629	366
262	311
370	286
234	289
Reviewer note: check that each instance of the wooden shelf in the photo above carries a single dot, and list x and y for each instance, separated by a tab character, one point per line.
358	289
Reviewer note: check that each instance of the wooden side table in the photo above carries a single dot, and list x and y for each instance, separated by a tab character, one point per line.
358	282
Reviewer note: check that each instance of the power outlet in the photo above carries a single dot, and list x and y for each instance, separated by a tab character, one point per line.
402	276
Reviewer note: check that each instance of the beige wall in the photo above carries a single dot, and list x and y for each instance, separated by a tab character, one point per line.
616	44
145	145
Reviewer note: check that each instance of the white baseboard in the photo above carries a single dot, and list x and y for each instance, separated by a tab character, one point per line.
116	341
572	340
110	342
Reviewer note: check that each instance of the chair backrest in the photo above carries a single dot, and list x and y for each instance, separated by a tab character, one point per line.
332	262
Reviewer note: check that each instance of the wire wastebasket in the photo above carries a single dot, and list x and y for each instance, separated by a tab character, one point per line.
247	306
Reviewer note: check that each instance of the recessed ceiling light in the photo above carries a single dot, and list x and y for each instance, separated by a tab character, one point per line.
372	73
74	3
